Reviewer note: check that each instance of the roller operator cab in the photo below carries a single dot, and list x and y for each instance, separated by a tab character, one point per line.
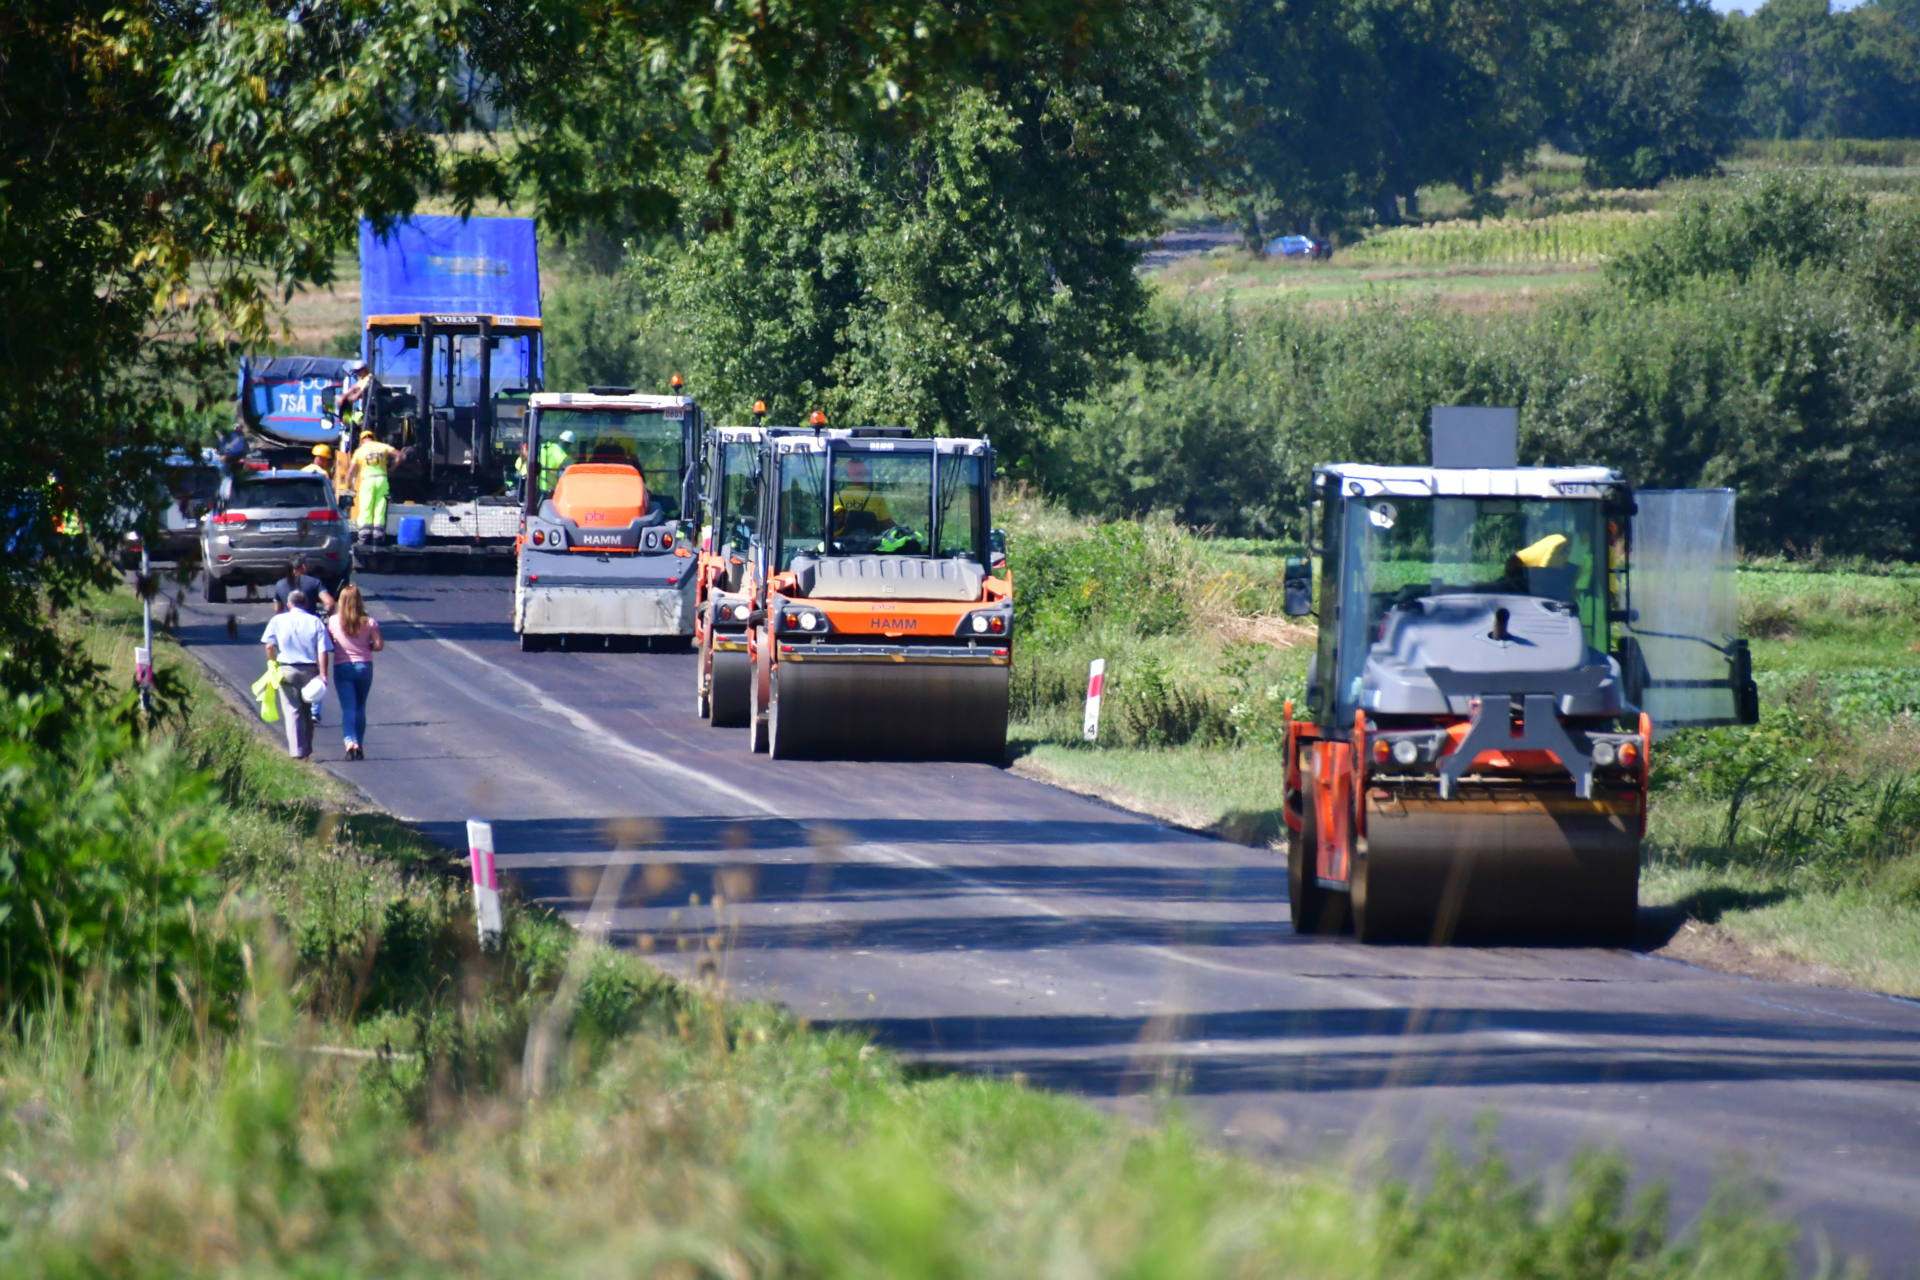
730	507
607	540
882	619
1498	650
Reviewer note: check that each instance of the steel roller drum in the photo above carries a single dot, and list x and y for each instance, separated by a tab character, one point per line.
1497	863
731	692
889	710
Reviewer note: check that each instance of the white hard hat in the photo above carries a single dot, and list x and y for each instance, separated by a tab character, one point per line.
357	366
566	437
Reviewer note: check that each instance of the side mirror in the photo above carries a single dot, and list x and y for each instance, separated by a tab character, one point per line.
1746	694
997	548
329	398
1297	588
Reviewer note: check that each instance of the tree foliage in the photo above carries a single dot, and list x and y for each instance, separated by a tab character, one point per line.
967	275
169	171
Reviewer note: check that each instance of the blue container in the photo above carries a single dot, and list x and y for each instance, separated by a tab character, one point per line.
413	531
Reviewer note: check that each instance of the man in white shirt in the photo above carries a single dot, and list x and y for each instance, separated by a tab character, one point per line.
299	642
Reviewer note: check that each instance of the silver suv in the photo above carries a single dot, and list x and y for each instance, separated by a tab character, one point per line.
262	520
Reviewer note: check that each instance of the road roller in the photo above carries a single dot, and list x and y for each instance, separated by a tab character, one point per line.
1498	649
606	545
882	612
730	502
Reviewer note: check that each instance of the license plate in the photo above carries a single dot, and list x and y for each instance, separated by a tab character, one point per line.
279	526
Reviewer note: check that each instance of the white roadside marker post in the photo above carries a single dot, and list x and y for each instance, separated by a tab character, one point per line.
486	882
1096	681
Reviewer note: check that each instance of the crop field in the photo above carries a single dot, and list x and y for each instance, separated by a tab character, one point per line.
1569	239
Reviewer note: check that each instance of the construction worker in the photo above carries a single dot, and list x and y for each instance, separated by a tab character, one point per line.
232	450
322	464
356	389
1541	569
554	457
371	462
856	507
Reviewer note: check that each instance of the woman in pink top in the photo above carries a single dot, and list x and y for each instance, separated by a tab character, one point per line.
356	638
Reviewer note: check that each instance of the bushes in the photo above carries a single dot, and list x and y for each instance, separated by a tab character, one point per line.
1149	599
107	858
1762	341
603	333
1780	220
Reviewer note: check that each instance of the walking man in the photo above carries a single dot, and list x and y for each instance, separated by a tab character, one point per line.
299	642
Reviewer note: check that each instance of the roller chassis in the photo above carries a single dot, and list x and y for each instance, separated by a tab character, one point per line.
1473	760
604	575
866	656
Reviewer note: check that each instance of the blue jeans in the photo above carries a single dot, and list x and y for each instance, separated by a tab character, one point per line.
354	680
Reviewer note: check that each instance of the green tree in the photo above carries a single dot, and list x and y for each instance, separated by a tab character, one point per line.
968	276
1660	98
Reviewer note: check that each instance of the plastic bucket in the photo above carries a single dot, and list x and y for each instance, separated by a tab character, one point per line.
413	531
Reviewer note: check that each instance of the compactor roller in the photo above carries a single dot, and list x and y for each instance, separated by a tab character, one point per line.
1498	646
882	616
722	605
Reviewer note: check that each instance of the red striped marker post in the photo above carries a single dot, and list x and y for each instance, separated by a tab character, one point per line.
1096	681
486	882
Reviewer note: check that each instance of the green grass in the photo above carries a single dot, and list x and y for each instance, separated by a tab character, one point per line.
371	1112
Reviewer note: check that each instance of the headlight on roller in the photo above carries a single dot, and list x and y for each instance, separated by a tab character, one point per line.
1406	751
1605	754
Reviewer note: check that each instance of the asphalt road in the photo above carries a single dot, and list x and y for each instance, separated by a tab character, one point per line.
976	918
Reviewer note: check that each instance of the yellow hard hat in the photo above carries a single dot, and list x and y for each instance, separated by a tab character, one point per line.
366	435
322	451
1548	553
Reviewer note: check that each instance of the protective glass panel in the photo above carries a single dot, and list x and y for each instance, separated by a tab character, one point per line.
1684	610
255	495
1403	549
882	503
652	442
962	499
739	498
802	509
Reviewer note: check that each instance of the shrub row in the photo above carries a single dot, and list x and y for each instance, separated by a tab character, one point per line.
1761	339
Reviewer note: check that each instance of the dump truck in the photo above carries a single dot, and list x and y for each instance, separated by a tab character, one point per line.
882	617
611	495
452	333
1499	647
285	405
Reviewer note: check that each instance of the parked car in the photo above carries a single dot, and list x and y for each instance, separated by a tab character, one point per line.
1298	247
262	520
185	491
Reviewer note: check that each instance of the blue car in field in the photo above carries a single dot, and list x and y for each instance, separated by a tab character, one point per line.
1298	247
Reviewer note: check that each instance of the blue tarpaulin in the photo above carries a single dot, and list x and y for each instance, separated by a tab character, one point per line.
443	264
